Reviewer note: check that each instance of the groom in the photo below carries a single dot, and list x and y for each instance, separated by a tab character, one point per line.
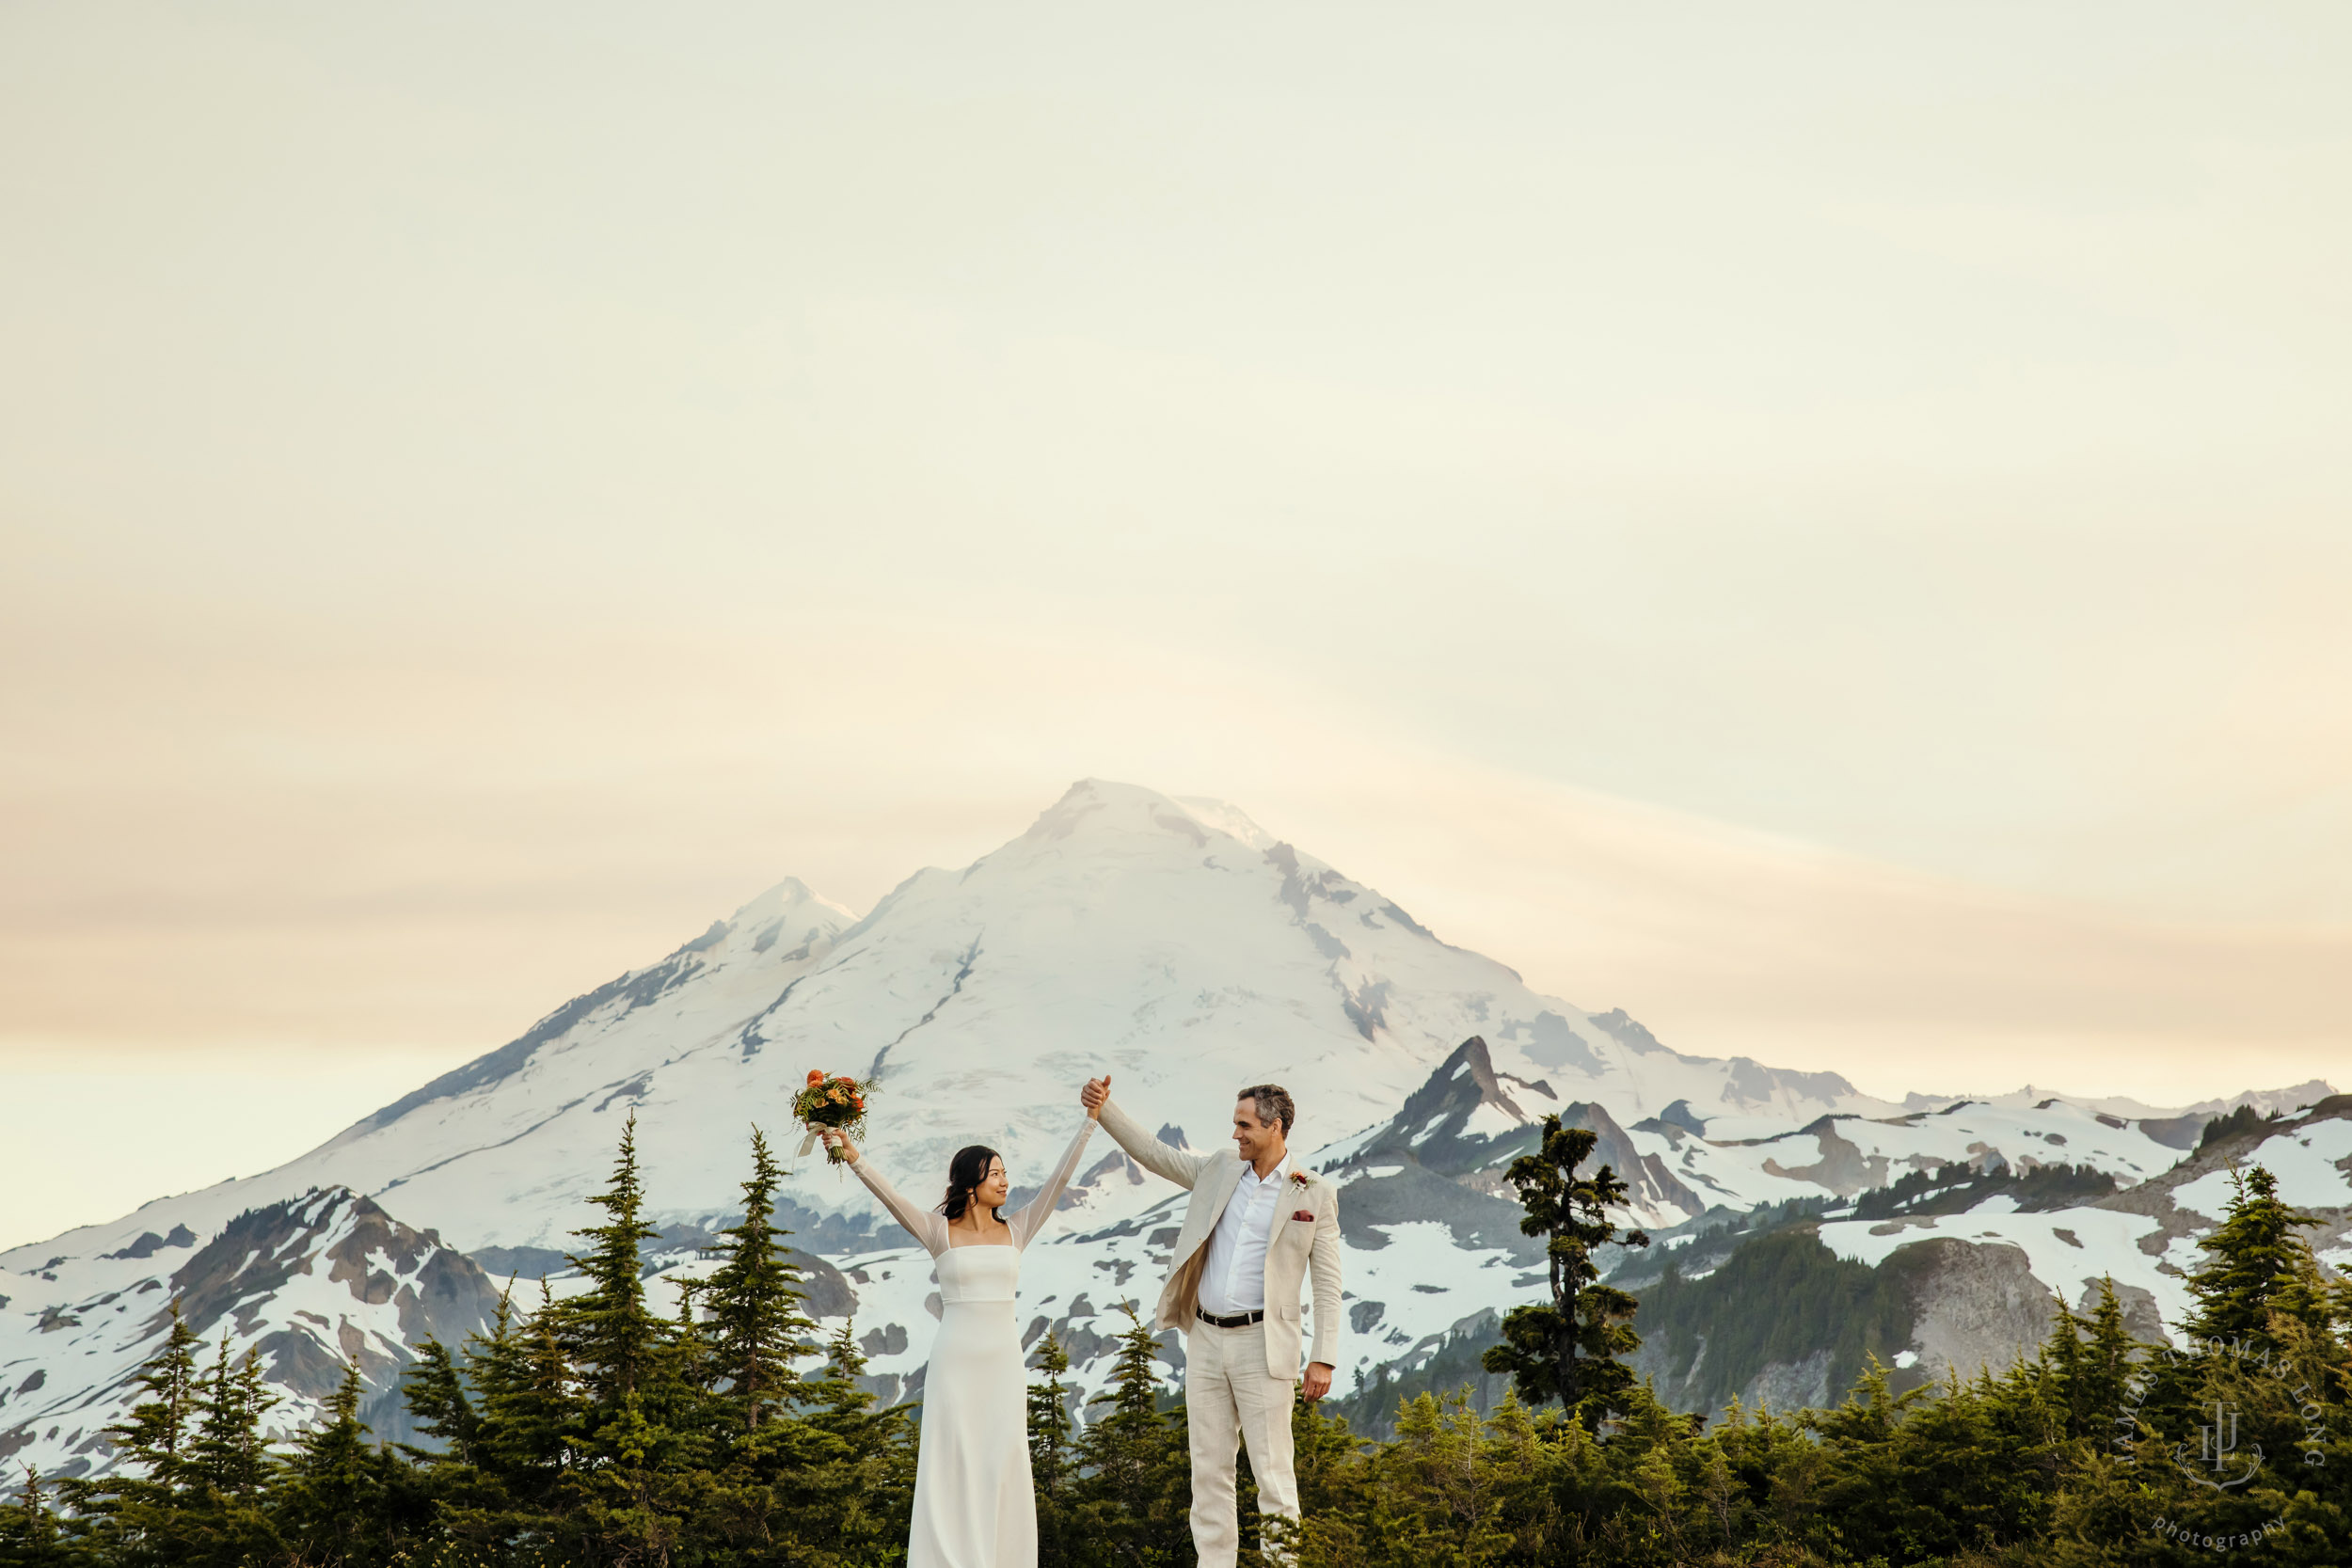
1257	1223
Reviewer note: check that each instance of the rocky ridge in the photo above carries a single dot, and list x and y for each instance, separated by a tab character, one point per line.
1170	942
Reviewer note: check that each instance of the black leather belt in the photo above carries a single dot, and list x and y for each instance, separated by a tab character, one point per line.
1239	1320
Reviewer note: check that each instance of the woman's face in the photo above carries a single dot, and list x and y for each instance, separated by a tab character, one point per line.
993	1188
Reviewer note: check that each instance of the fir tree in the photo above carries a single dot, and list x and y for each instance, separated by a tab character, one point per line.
622	1428
1133	1501
542	1457
138	1515
1566	1349
221	1522
156	1436
754	1302
330	1503
440	1405
2259	1261
2237	1124
2090	1363
1050	1463
1440	1503
28	1528
226	1455
531	1420
486	1485
2108	1371
615	1433
843	1470
2264	1356
608	1331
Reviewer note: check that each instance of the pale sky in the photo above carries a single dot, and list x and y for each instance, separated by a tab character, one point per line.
1828	527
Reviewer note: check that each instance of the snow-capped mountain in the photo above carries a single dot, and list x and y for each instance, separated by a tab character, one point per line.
1169	942
313	1283
1469	1122
2145	1236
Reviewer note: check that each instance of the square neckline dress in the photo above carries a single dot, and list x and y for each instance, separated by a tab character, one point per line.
974	1505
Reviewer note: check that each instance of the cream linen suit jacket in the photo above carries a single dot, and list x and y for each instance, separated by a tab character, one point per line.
1297	1251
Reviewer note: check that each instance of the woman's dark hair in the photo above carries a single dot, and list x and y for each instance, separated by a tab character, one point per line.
965	1172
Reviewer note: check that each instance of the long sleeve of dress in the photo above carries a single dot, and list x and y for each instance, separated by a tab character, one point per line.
922	1224
1032	1216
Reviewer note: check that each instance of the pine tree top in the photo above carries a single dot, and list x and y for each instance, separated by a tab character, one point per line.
2258	1260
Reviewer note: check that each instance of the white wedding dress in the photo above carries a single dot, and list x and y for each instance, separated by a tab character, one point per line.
973	1503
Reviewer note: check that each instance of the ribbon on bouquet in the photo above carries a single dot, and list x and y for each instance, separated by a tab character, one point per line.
808	1143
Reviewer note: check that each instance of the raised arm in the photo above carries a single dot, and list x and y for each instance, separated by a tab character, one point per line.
1147	1151
1030	1217
924	1225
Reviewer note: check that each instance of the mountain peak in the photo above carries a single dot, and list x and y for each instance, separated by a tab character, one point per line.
1225	816
1095	807
790	898
1463	1118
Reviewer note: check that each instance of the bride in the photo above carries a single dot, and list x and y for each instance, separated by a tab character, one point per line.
973	1505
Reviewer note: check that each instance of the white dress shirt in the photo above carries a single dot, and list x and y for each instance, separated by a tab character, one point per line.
1233	1279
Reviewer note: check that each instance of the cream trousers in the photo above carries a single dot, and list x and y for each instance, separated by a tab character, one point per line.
1231	1400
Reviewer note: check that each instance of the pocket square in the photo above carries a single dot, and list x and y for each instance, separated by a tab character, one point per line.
1303	1215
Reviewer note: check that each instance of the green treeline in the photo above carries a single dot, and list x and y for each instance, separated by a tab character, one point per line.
1818	1300
1954	1189
608	1429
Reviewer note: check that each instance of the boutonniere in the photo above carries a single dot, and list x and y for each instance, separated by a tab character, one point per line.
1302	1180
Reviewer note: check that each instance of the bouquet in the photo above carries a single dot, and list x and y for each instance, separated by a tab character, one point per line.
838	1102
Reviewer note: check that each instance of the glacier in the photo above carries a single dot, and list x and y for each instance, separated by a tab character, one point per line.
1168	941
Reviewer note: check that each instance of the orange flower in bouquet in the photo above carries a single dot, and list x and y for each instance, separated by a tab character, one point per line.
835	1102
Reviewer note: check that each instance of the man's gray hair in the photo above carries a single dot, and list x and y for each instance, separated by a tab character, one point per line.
1274	1104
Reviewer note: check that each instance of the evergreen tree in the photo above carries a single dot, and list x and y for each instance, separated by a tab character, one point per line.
440	1404
2090	1363
2110	1372
1134	1502
2259	1261
28	1528
844	1487
538	1402
138	1515
157	1434
222	1523
1333	1468
2264	1364
331	1498
2237	1124
633	1423
754	1302
1050	1458
1566	1349
1439	1503
1969	1469
716	1454
499	1415
227	1455
608	1331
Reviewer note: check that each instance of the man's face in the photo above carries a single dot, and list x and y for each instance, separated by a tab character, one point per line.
1255	1139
